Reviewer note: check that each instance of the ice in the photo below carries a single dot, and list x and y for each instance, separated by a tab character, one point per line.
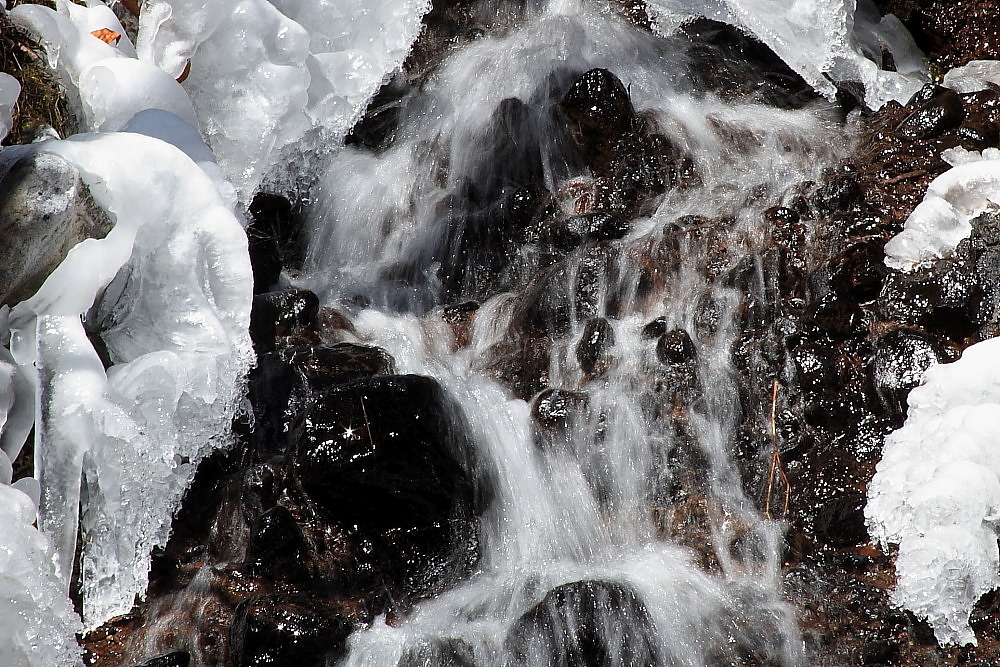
168	292
9	90
36	618
974	75
944	216
825	41
936	493
305	68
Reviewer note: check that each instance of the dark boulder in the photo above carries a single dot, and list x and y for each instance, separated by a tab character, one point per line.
275	544
942	112
585	624
900	360
556	408
594	349
840	521
278	315
327	366
599	106
858	271
675	347
284	630
390	459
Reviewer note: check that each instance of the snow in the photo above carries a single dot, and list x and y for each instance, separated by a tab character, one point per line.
823	40
936	493
944	217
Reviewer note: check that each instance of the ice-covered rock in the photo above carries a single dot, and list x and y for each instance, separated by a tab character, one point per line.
9	91
304	67
944	216
936	493
825	41
168	293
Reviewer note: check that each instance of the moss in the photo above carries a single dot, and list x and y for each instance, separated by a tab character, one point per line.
42	101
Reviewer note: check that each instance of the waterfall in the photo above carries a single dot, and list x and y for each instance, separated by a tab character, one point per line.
593	503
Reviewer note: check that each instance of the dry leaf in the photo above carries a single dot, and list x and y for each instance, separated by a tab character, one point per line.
108	36
132	6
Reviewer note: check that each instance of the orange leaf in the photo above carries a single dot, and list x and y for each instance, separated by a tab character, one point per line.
108	36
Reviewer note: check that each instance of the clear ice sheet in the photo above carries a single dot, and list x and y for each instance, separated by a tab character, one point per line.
936	493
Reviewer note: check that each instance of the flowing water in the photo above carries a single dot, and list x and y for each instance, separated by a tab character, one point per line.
613	494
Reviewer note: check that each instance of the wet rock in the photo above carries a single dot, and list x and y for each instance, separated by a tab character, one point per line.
568	234
840	522
942	112
285	630
390	460
858	272
900	360
273	236
836	318
840	192
35	239
675	347
943	297
707	317
438	653
386	453
585	624
377	128
735	64
327	366
555	408
275	544
171	659
655	328
277	315
593	350
568	290
599	105
977	136
460	317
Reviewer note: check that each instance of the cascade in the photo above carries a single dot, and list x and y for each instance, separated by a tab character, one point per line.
577	234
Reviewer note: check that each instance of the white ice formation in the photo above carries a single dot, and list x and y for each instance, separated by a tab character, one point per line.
304	71
823	41
936	493
168	292
945	215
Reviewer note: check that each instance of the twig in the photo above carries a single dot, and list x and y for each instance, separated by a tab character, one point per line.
908	175
776	466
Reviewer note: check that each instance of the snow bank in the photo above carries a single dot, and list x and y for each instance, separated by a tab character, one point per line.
936	493
945	215
823	40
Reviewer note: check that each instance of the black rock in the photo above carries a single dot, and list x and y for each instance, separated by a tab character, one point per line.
840	522
836	318
171	659
858	271
275	544
595	345
572	287
655	329
840	193
273	239
939	114
900	360
600	106
277	315
386	453
675	347
272	630
326	366
554	408
585	624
